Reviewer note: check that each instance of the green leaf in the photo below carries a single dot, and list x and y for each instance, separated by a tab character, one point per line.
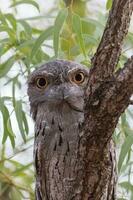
59	21
25	47
15	194
31	2
108	4
126	147
26	27
21	169
8	132
3	19
43	36
77	26
122	199
9	31
125	127
4	48
6	66
11	133
25	123
19	116
88	27
12	20
127	186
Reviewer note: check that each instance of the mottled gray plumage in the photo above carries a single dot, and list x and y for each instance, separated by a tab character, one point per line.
57	109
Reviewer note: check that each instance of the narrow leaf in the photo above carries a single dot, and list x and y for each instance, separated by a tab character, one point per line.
26	27
59	21
3	19
127	186
19	116
6	66
43	36
12	20
77	26
124	150
22	169
8	132
31	2
4	48
9	31
25	123
11	133
108	4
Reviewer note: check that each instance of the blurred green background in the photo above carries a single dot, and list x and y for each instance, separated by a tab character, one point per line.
34	32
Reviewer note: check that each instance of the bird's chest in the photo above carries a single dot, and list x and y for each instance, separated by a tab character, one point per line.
58	130
57	138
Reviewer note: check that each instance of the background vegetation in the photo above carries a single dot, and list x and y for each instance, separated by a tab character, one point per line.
68	30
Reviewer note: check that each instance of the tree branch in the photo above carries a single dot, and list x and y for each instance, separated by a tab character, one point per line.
109	50
124	86
107	102
118	96
103	87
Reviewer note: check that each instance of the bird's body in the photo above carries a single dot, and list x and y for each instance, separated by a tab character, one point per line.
56	92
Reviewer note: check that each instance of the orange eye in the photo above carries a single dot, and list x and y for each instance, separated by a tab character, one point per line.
79	78
41	82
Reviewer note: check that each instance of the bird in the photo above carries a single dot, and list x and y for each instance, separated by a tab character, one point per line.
56	93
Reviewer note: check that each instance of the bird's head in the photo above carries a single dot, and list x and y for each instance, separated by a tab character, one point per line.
58	84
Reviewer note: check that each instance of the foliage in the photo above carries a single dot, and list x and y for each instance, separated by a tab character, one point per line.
16	179
70	33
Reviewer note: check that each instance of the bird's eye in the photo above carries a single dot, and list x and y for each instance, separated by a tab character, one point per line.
79	78
41	82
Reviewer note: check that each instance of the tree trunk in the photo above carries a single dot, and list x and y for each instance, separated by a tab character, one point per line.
70	162
75	172
91	162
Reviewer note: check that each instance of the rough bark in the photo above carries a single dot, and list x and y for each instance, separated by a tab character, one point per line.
108	95
93	171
